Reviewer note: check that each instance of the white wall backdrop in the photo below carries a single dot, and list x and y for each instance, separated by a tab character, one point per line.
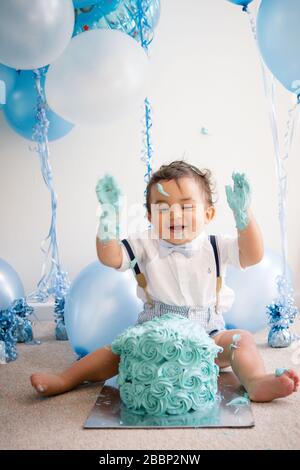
205	72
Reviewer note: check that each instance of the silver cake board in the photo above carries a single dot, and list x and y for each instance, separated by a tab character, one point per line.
109	412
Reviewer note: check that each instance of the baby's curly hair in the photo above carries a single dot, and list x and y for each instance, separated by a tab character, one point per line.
178	169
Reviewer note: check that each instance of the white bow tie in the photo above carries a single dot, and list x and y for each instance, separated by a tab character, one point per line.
165	248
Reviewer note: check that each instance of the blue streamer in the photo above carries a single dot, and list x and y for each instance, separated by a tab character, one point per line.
144	26
283	310
54	281
144	29
147	152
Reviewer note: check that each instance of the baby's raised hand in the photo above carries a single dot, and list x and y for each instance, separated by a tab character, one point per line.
239	199
108	191
109	196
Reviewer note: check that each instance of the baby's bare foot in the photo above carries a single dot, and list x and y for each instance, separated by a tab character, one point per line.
269	386
49	384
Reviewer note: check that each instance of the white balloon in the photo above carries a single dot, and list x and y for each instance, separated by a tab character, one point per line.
100	75
33	33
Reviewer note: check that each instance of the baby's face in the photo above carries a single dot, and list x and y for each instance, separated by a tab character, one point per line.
179	212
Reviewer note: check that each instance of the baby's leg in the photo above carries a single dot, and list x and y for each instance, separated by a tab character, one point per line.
241	353
95	367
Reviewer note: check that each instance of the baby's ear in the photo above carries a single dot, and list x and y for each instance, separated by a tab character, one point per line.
210	213
149	216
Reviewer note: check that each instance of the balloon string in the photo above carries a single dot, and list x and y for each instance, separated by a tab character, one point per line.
252	22
147	153
53	279
147	120
144	27
280	160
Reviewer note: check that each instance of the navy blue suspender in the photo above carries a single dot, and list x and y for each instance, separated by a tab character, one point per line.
141	280
213	241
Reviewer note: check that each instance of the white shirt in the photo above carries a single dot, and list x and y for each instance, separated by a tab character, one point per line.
179	280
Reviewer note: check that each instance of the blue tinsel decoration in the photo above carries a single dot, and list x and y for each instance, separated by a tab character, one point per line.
22	310
8	334
61	290
15	326
282	313
60	329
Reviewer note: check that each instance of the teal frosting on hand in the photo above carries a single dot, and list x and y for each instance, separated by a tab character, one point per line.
167	367
109	196
108	191
239	199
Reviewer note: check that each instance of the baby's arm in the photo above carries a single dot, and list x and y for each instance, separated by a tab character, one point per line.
249	235
251	244
109	253
108	248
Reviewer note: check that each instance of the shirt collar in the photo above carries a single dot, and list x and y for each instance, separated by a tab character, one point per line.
193	244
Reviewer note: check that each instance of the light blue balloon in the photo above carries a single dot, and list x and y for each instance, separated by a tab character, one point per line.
34	33
254	289
11	287
2	93
100	304
106	6
243	3
278	35
20	109
8	76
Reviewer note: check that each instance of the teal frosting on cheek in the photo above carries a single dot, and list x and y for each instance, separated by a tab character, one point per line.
239	199
167	367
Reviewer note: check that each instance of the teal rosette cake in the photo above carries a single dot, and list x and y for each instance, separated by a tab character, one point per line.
167	367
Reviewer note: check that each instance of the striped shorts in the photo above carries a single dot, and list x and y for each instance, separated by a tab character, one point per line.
209	319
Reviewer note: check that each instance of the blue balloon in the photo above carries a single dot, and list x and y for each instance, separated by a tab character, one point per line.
20	109
100	304
254	289
278	35
242	3
8	76
124	17
11	287
106	6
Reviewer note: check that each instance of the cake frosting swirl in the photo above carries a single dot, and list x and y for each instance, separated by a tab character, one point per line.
167	367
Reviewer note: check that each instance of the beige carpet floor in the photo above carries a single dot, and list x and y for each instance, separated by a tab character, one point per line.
30	422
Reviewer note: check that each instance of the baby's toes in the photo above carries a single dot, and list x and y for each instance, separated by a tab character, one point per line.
36	383
295	377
